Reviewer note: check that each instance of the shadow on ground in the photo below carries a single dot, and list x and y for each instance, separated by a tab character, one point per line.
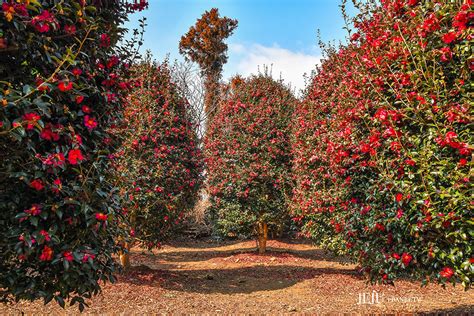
194	256
228	281
457	310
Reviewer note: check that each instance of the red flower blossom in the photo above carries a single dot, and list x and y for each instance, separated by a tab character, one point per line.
70	29
380	227
399	197
79	99
76	72
399	213
57	185
31	119
113	61
3	43
396	256
65	86
461	19
104	40
54	160
90	122
410	162
41	85
37	184
87	256
67	255
450	37
8	11
446	54
86	109
100	216
34	210
43	22
77	139
406	258
447	272
75	156
46	254
45	234
48	134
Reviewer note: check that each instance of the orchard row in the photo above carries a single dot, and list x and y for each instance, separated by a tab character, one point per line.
98	149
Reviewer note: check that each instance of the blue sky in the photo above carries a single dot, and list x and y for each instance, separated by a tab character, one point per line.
281	33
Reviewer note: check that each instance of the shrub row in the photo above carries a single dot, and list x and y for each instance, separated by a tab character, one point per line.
383	143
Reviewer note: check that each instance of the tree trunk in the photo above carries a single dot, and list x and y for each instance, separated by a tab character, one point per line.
262	231
125	257
211	96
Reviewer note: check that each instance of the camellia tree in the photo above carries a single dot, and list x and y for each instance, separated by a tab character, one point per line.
61	88
383	143
159	165
248	157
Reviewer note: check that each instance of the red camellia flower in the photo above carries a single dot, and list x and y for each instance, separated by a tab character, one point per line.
75	156
31	119
43	21
8	11
447	272
90	122
37	184
87	256
46	254
45	235
396	256
406	258
100	216
34	210
54	160
410	162
70	29
48	134
450	37
76	72
57	186
67	255
65	86
86	109
104	40
399	197
446	54
79	99
41	85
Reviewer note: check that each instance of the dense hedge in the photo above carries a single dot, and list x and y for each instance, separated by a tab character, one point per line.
383	143
249	157
159	165
61	90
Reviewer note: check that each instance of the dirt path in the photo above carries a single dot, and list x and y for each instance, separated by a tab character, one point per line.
201	277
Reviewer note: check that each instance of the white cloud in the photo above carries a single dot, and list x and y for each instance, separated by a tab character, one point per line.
284	63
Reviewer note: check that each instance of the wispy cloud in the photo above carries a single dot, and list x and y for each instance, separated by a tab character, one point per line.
284	63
